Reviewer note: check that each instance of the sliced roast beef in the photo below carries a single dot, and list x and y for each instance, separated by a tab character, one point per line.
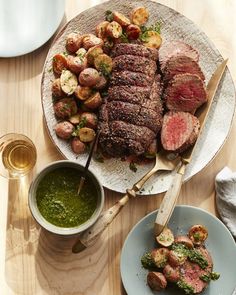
190	272
148	97
179	131
181	65
175	48
185	92
131	78
131	113
130	63
134	49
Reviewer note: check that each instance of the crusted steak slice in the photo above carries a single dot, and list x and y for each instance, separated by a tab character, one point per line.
191	272
136	64
131	113
175	48
185	92
181	65
130	78
134	49
179	131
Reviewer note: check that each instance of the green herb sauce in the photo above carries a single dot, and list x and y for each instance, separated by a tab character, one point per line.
185	287
148	262
58	201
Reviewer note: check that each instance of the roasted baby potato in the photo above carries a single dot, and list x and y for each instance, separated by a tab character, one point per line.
103	63
89	77
73	42
139	15
75	119
86	134
92	53
198	234
185	241
114	30
102	83
68	82
101	29
94	101
56	88
152	39
83	92
59	63
91	120
121	19
91	40
64	129
78	146
171	273
133	32
65	108
156	281
160	256
166	238
76	64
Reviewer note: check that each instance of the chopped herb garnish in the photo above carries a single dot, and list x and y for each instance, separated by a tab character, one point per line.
148	262
185	287
81	124
211	276
132	166
105	69
109	15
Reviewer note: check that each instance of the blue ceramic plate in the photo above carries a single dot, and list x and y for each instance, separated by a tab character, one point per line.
220	243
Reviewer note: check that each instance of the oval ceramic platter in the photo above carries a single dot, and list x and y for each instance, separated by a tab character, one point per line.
220	243
113	173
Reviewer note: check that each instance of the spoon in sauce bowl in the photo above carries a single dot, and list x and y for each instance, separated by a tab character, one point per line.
83	177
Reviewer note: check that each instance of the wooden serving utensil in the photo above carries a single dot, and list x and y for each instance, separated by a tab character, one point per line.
89	237
169	201
83	177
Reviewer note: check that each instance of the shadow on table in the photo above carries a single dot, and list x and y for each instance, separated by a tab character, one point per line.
21	238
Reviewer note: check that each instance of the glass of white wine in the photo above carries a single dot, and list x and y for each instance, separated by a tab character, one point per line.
18	155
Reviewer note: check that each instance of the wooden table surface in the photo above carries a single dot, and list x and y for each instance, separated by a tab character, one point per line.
34	262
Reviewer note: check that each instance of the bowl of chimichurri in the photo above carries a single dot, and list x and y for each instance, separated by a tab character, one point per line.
55	203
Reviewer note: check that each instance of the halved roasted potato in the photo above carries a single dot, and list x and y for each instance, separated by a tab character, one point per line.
166	238
198	234
59	63
160	256
101	29
103	63
75	119
68	81
81	52
91	40
86	134
152	39
76	64
121	19
94	101
83	92
92	53
139	15
114	30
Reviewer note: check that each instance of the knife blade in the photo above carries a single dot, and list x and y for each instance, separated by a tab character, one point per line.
171	196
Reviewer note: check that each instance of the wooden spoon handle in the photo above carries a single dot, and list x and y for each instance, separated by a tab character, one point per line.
89	237
169	201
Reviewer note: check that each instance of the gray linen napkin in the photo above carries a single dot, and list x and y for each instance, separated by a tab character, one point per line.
225	185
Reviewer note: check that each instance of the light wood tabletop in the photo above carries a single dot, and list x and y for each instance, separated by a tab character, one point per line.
34	262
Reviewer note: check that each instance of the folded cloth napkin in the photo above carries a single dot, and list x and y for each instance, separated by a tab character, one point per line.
225	185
